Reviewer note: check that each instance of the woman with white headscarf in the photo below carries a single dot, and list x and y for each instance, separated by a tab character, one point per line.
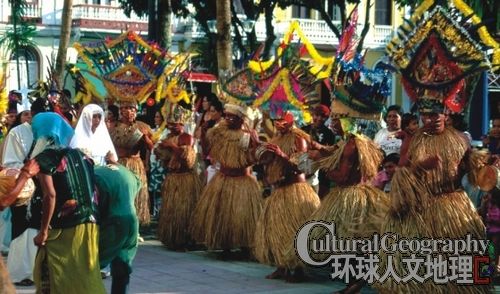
92	136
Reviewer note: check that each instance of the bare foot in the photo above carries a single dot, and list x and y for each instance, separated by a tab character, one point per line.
353	288
224	255
279	273
297	277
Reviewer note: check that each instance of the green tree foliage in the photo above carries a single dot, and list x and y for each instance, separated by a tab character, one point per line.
204	10
20	36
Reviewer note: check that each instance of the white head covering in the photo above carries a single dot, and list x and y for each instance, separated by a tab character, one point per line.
96	144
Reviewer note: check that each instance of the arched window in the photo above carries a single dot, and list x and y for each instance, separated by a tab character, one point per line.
29	69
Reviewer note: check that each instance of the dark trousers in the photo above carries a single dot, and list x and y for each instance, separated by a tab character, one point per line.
120	274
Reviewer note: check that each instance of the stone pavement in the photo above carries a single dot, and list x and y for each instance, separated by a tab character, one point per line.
158	270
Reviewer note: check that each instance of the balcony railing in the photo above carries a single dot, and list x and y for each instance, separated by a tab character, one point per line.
381	35
104	12
317	31
32	10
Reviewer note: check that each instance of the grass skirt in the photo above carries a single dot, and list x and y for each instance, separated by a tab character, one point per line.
180	193
227	212
450	215
285	211
135	165
355	210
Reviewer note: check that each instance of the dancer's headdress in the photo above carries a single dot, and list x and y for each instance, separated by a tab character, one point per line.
440	51
175	113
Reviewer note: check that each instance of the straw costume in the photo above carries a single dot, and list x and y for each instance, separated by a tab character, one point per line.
291	202
426	198
353	204
181	187
227	212
283	89
129	138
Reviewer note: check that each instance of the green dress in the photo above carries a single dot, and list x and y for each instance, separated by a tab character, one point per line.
118	227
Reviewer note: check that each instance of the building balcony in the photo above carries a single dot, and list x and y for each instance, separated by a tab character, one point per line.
33	10
317	31
104	17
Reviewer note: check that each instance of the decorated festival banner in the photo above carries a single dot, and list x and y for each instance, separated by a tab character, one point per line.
440	53
286	83
357	91
128	66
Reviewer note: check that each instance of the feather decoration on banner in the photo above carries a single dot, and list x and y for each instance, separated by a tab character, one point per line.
357	91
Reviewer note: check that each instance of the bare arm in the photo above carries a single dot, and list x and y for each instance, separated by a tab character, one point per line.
11	196
30	169
49	203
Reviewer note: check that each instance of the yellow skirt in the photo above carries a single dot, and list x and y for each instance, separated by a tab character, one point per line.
227	212
448	216
180	193
285	211
69	262
135	165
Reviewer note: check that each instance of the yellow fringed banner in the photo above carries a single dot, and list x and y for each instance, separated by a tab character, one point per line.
159	87
483	32
260	66
324	64
295	28
4	96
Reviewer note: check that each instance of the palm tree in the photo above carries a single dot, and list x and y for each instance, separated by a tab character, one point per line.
224	49
64	40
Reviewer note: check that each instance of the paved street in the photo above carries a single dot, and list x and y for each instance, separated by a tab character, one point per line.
157	270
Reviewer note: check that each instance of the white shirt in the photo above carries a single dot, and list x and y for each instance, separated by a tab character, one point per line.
17	145
387	141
